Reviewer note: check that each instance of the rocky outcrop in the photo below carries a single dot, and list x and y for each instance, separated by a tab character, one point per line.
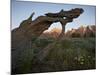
89	31
22	47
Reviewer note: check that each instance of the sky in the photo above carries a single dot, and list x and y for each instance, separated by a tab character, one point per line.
21	10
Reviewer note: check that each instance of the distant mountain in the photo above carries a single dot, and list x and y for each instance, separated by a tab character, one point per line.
88	31
82	31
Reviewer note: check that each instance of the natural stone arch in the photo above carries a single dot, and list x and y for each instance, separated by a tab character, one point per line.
22	36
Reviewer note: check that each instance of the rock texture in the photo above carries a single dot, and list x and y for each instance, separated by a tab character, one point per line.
22	47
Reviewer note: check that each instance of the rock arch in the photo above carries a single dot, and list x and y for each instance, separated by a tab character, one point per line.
22	36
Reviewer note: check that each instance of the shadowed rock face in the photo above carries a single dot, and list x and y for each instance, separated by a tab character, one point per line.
73	13
23	35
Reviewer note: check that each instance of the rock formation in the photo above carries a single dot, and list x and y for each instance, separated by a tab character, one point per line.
22	53
81	32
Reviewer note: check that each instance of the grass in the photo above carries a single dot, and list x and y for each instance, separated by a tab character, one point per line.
66	54
69	54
